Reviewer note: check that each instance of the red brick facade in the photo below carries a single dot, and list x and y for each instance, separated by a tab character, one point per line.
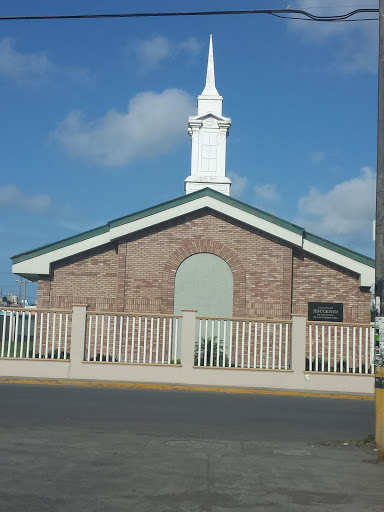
137	273
315	280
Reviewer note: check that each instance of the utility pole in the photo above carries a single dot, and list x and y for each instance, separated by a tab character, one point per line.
20	281
25	286
379	251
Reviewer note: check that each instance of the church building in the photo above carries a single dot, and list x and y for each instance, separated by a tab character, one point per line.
204	250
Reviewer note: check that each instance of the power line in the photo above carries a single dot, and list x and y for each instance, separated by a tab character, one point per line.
301	15
334	21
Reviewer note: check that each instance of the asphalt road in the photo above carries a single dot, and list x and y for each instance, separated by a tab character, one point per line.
94	449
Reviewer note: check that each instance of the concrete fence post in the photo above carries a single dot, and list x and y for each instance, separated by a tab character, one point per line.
188	337
79	325
298	344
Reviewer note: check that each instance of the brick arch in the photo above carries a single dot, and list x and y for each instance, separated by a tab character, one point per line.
189	248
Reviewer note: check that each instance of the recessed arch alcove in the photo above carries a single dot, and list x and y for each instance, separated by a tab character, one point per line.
204	282
197	246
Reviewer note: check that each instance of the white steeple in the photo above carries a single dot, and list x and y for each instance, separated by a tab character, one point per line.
210	87
209	130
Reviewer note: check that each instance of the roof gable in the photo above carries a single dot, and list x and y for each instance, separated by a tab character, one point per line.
210	193
37	261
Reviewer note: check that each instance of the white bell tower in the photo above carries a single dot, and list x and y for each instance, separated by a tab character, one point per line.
209	130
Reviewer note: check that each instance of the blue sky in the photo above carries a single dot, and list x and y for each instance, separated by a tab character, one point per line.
93	120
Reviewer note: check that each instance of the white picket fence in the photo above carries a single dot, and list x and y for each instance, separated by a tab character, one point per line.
132	338
35	334
340	347
243	343
186	350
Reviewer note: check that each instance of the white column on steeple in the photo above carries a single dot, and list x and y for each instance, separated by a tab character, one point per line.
209	130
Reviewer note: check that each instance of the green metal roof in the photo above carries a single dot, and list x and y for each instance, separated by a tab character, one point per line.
186	199
215	195
340	249
58	245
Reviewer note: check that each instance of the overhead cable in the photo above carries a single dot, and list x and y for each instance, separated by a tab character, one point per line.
300	14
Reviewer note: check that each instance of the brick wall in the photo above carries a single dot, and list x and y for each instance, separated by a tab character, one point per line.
260	266
315	280
137	274
89	278
43	299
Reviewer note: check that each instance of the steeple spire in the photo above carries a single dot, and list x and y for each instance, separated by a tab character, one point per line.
209	130
210	88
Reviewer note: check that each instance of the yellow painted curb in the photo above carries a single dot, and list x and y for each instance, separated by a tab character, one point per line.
178	387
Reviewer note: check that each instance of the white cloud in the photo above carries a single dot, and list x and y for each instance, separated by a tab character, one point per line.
354	45
238	183
266	193
153	124
347	210
317	156
16	65
32	68
13	198
190	45
151	52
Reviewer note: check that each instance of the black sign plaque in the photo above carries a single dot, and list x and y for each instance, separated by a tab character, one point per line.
325	312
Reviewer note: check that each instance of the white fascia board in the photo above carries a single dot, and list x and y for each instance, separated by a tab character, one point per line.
41	265
367	273
207	202
254	221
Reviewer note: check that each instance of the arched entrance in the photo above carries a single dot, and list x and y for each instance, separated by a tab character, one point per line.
204	282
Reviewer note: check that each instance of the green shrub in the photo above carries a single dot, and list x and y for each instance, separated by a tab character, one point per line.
331	368
49	355
217	351
103	358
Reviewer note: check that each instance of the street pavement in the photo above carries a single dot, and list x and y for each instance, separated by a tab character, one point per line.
70	449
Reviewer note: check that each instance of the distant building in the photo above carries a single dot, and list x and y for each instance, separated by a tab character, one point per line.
12	299
204	250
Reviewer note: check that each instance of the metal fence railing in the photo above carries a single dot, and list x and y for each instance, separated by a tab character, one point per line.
340	347
243	343
34	333
132	338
